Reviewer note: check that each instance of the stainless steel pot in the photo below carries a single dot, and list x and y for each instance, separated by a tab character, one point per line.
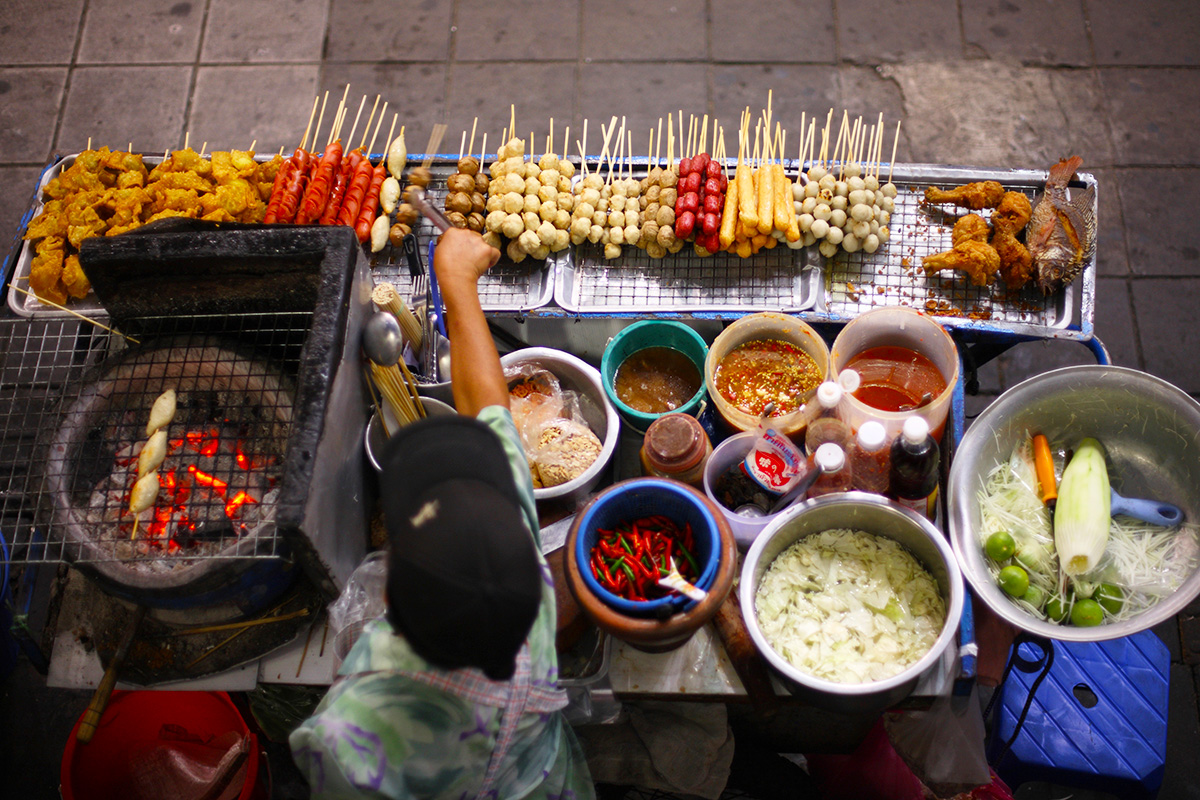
872	514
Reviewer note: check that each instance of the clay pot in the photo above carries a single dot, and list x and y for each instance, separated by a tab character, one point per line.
649	634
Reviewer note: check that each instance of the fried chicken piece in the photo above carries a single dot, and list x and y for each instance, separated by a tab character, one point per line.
984	194
51	222
972	227
979	260
1012	214
45	271
73	278
184	180
1016	264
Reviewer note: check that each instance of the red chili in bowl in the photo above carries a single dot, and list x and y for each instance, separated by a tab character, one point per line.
630	559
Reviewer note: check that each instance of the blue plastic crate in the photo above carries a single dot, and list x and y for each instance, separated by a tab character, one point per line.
1118	745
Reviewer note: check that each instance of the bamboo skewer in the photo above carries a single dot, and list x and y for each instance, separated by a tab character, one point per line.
895	141
362	145
53	304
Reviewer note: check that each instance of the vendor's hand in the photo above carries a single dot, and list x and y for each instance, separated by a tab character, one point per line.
461	258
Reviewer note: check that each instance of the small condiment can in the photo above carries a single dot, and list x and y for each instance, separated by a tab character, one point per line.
675	446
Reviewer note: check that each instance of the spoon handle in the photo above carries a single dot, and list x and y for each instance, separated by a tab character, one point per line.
1151	511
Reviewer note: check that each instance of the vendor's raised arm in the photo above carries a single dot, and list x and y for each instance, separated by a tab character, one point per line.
460	259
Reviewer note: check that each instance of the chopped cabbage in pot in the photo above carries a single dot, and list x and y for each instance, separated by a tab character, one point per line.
849	607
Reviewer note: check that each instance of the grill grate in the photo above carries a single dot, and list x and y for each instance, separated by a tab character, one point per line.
857	282
50	364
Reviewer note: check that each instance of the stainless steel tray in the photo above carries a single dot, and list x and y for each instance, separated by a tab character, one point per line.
779	279
26	305
507	288
855	282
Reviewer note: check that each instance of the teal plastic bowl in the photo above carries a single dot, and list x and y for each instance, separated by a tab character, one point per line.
639	336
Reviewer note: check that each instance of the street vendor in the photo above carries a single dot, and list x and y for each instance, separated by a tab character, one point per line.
452	694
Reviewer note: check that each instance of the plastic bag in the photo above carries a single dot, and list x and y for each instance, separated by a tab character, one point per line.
363	599
944	745
557	440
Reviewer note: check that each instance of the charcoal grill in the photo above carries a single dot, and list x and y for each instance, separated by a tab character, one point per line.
272	375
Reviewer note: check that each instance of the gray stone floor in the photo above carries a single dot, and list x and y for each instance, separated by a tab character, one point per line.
991	83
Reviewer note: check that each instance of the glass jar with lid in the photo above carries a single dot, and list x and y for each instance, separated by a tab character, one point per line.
675	446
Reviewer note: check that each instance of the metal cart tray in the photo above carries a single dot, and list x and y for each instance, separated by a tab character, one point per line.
856	282
507	288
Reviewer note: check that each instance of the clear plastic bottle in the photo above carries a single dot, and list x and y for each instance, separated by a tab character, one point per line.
829	425
913	475
835	472
870	458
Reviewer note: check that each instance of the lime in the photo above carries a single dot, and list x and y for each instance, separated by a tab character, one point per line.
1087	613
1110	598
1056	610
1034	595
1000	546
1014	580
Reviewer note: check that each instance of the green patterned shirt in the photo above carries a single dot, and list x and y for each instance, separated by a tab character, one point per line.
380	733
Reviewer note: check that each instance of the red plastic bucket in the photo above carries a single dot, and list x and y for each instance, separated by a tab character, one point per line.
143	733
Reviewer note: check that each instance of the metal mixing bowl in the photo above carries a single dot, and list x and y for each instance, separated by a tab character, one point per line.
873	514
1151	432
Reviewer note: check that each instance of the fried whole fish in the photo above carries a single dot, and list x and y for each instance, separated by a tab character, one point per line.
1062	232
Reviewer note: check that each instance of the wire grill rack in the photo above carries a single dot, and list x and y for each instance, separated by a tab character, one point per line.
507	288
49	364
857	282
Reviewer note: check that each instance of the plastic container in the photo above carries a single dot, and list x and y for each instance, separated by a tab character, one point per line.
900	327
640	336
913	474
835	473
644	497
870	459
829	426
130	741
766	325
676	447
729	452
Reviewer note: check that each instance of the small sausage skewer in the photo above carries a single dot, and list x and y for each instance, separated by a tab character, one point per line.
360	181
317	196
341	182
370	204
297	181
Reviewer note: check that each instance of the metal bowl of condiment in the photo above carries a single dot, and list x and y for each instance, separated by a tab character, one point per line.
575	374
871	514
1150	431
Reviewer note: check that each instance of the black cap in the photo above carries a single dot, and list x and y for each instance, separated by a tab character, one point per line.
464	585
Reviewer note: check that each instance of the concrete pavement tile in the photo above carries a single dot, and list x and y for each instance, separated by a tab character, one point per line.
1034	32
866	91
1161	32
1154	114
1114	321
50	41
1030	117
796	31
141	31
874	31
543	30
20	184
416	92
1165	310
382	30
29	101
258	31
647	92
538	90
1033	358
644	30
1183	736
228	109
798	88
100	99
1111	255
1160	240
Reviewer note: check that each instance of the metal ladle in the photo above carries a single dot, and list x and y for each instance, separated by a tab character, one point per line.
382	340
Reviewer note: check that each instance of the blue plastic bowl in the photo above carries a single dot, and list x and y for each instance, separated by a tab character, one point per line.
639	336
644	497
